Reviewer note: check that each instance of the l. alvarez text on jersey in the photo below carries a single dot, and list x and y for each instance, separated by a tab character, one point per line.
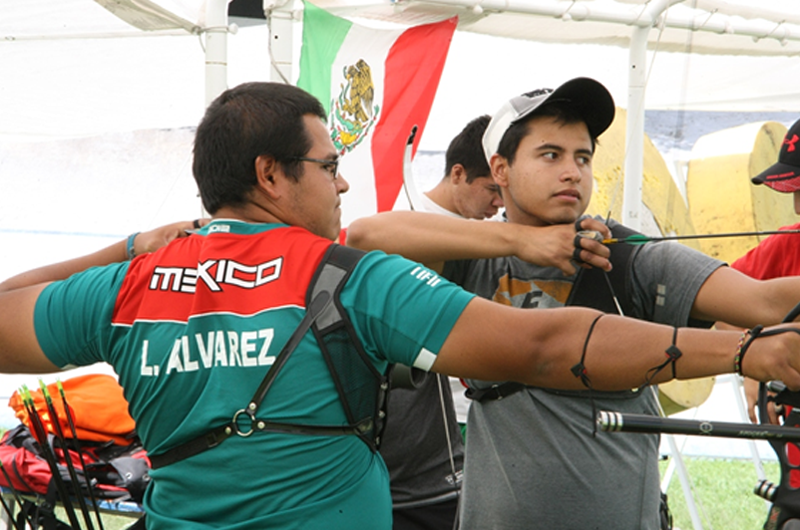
214	348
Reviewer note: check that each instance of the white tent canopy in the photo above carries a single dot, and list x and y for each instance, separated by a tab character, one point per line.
74	68
754	64
763	28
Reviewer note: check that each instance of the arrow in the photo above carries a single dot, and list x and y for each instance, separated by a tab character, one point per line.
610	421
73	475
40	434
640	239
76	441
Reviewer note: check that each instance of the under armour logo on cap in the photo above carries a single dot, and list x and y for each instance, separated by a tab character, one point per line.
784	175
791	143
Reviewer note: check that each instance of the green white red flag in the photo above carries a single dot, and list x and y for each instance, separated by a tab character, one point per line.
376	85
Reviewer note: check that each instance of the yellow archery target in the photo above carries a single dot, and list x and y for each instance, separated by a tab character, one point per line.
664	205
721	196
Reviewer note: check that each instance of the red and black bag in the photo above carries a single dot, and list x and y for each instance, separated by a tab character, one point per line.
114	471
106	454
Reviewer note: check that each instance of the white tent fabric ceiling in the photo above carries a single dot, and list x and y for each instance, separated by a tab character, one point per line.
770	27
721	27
76	38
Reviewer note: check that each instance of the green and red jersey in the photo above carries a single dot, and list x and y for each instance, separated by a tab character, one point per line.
191	331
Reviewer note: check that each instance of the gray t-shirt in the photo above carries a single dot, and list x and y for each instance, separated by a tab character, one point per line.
532	460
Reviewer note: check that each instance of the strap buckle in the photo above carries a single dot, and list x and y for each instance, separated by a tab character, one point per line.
235	422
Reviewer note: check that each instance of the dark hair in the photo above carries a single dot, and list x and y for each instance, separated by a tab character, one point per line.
243	123
563	112
466	149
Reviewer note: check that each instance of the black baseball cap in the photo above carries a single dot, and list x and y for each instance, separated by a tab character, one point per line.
784	175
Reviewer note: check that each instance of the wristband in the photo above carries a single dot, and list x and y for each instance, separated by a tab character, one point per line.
129	245
743	346
737	359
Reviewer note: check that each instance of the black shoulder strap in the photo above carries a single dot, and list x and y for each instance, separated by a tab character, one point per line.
494	392
332	272
362	388
331	275
591	289
591	286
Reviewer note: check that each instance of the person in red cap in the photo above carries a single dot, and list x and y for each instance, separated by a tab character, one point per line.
778	255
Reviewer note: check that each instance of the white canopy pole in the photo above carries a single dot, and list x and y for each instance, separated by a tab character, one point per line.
634	133
216	31
279	14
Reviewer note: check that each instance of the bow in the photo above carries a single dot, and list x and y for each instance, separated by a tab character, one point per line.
401	372
784	439
409	185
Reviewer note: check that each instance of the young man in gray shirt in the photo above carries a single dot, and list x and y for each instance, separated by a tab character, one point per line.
533	460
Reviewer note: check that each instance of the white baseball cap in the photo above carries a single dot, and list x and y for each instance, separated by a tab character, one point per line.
591	99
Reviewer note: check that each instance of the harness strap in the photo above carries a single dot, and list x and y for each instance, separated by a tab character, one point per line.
192	447
324	430
315	309
591	287
218	435
495	392
320	312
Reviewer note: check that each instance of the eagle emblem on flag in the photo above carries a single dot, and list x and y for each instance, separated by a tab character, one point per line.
352	112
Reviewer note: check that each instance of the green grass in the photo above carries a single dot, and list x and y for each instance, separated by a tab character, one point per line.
723	493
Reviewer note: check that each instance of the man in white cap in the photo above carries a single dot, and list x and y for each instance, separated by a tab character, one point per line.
533	460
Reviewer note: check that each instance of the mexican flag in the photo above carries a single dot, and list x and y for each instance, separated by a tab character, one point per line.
376	85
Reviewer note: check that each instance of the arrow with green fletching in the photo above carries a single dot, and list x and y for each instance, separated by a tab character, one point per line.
640	239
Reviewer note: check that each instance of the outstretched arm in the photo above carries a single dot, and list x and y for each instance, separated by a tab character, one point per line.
433	239
491	341
19	348
143	243
737	299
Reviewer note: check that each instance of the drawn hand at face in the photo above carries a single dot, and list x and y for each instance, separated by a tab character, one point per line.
589	251
556	246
